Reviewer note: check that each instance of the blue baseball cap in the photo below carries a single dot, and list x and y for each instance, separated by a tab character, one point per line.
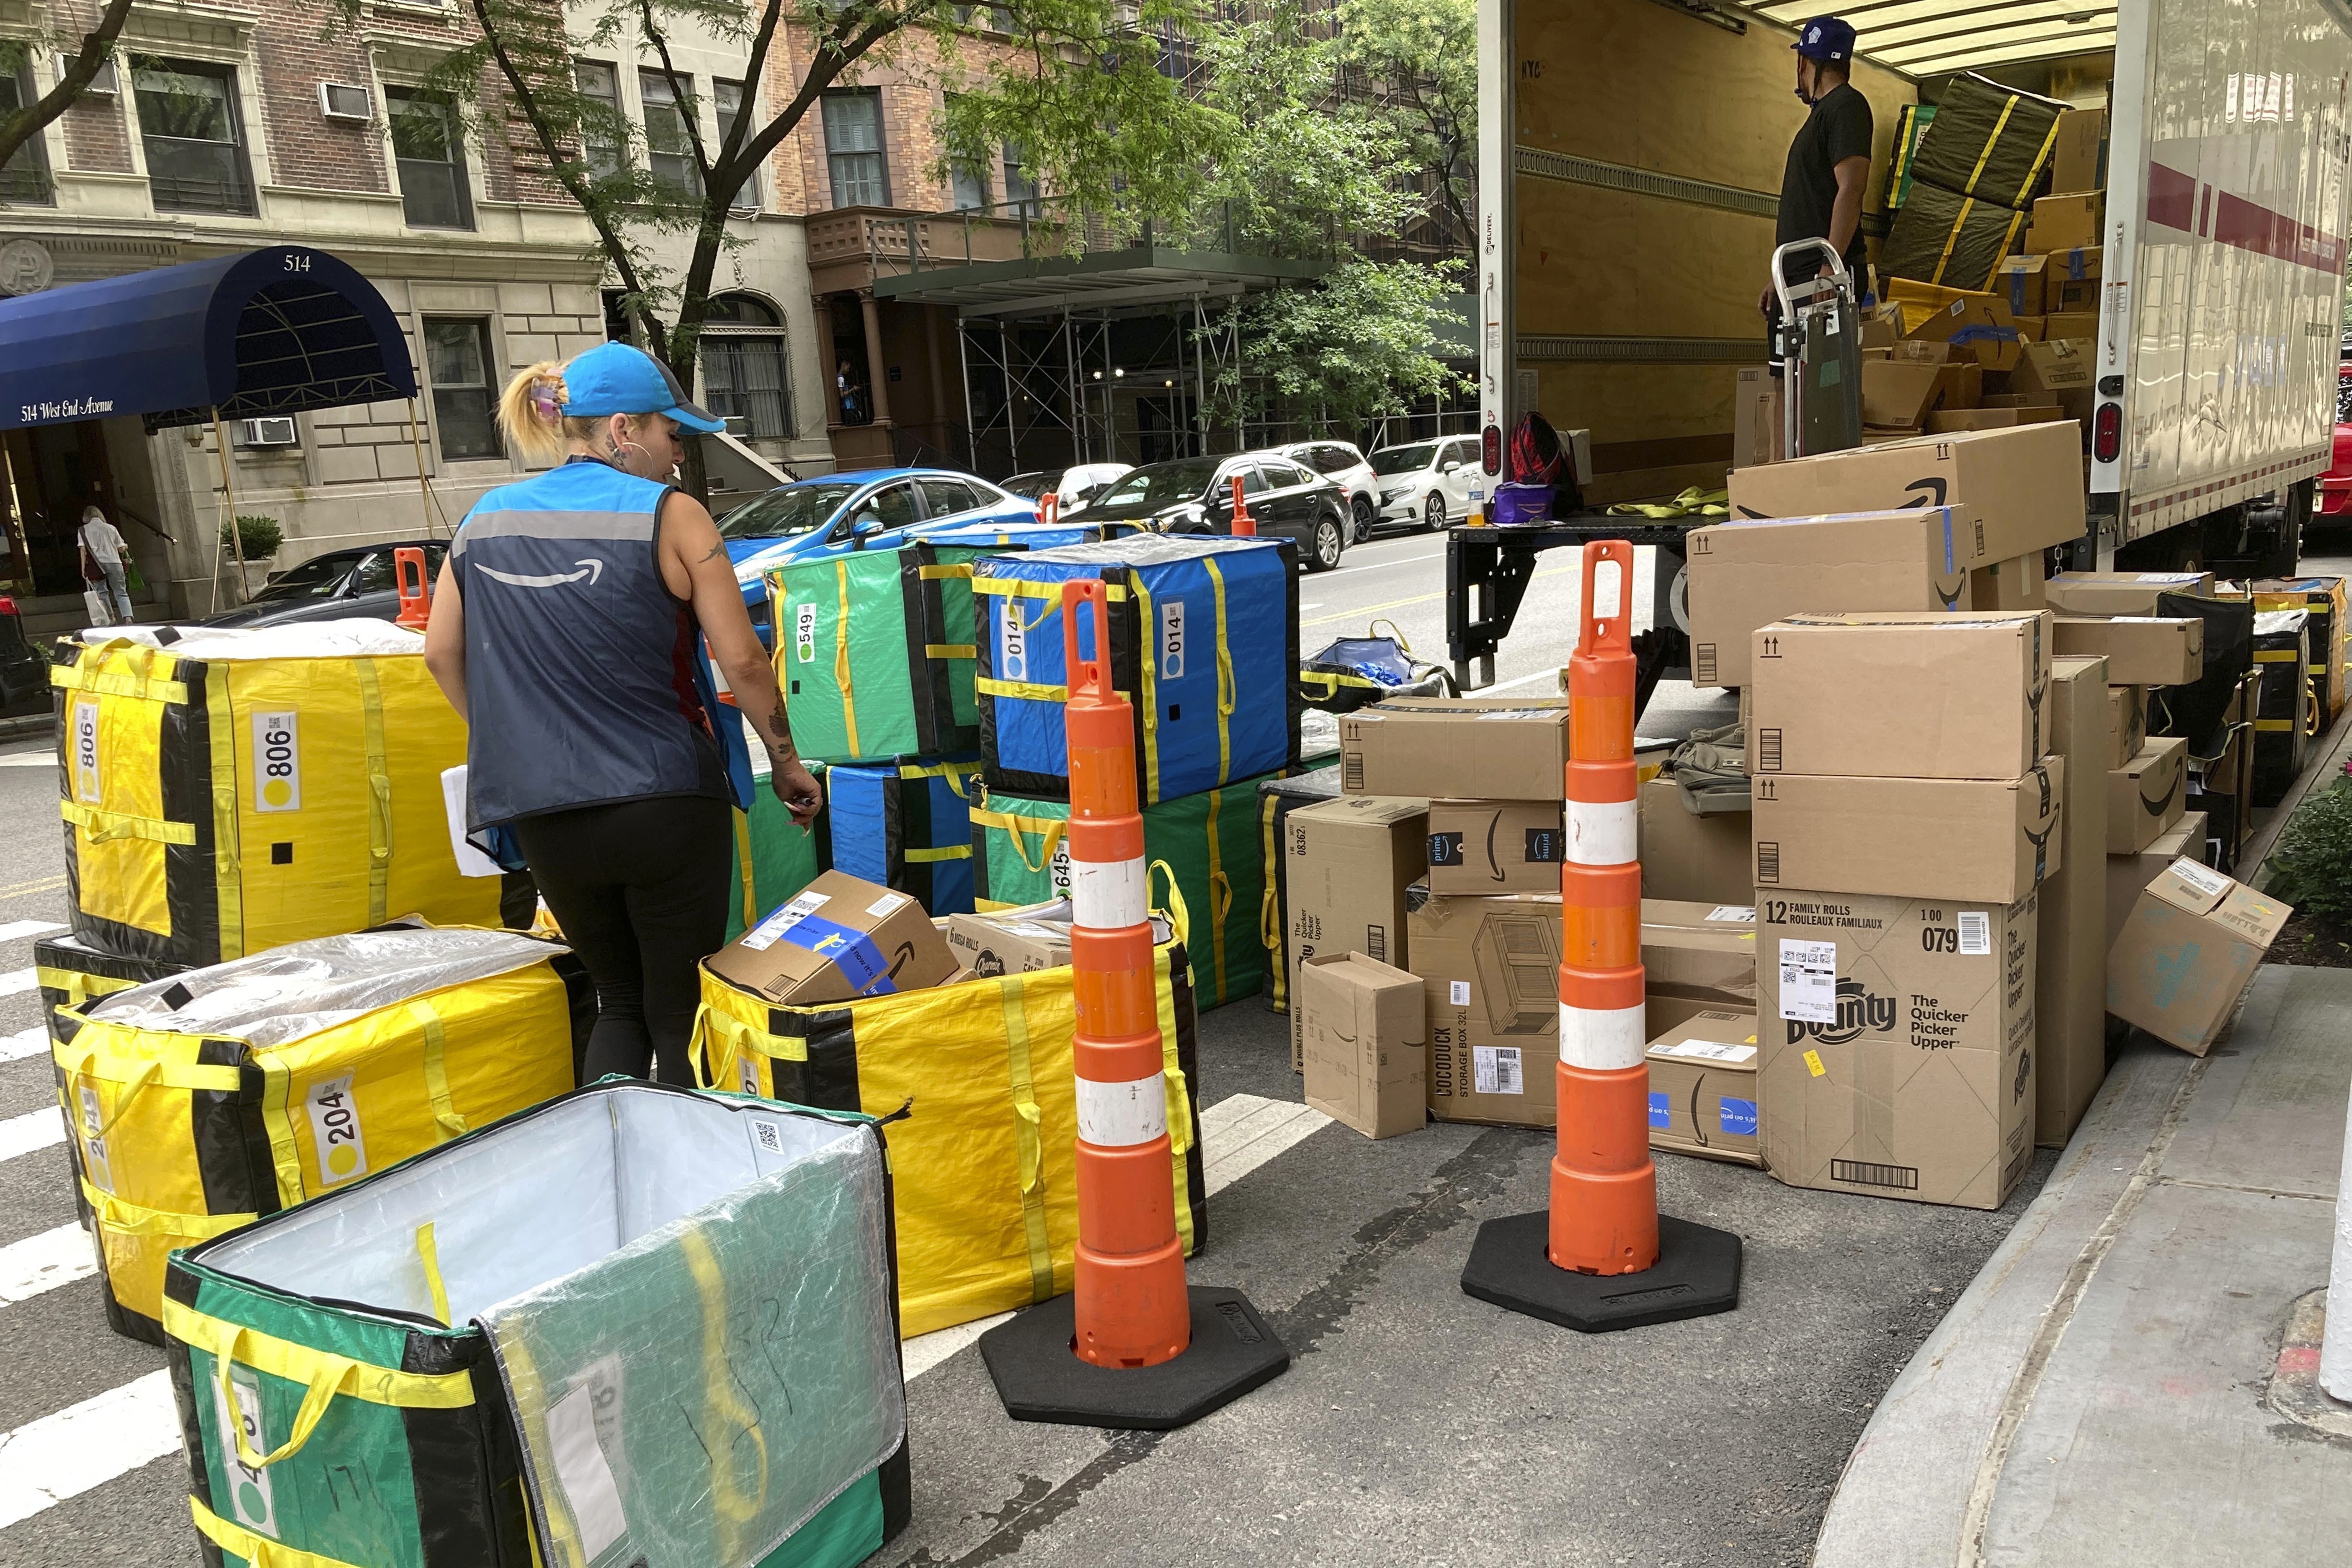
621	378
1825	38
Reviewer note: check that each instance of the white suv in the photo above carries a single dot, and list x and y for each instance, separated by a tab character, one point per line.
1344	466
1427	484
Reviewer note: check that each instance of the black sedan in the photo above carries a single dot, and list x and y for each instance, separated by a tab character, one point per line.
1195	495
340	585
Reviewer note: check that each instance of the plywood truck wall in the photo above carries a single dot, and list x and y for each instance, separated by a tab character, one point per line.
1631	84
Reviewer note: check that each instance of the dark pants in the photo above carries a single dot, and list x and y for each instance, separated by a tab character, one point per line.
640	889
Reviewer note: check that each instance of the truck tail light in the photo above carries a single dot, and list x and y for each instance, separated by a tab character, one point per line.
1490	448
2107	432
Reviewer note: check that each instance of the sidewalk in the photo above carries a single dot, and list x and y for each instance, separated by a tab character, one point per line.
2130	1378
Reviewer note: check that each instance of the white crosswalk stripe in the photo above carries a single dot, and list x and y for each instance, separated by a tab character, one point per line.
44	1462
15	982
15	929
32	1042
44	1262
39	1129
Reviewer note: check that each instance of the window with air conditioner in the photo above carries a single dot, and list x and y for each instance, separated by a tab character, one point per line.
345	100
271	432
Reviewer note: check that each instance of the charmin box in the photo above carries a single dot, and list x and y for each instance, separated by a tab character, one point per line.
1431	746
1890	694
1490	965
2025	485
1990	840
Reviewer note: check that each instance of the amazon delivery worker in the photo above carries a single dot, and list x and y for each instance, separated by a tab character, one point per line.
565	629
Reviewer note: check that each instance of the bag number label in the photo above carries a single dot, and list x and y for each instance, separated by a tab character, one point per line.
1013	643
249	1498
1057	870
335	1131
804	631
277	763
94	1165
85	753
1172	639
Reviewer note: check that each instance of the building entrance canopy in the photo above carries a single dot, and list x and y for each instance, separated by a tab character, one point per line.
266	331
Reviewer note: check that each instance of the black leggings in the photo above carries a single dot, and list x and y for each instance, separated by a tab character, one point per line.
640	889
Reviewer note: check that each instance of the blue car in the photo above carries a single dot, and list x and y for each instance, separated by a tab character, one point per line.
835	514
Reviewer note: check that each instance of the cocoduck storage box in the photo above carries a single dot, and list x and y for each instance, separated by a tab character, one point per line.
638	1324
1204	642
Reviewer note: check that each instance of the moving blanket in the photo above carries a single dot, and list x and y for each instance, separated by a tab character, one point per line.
1957	242
976	1084
874	653
201	1100
1204	642
907	825
240	789
1986	141
638	1324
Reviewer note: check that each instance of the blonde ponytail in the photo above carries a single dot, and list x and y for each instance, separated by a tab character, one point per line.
530	413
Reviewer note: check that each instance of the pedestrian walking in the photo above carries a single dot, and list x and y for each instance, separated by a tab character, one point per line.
845	387
564	628
102	569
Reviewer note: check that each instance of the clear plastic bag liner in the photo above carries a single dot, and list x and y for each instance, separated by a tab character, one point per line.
1147	550
688	1298
1318	734
358	637
274	997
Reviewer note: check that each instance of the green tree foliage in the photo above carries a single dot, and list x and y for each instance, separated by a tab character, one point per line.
1421	59
1352	348
22	125
2314	855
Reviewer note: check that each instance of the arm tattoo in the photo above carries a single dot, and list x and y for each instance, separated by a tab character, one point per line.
716	550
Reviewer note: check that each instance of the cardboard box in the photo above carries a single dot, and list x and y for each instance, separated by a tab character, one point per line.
1365	1027
2140	650
1699	953
2072	220
2126	723
2186	953
1421	745
1496	845
1988	841
1760	432
1747	575
1898	393
1012	942
1897	1039
1890	694
2058	373
1346	864
2032	330
2075	163
2018	282
1702	1097
1701	860
2024	485
2122	593
2073	289
1489	964
2129	875
2011	584
839	938
2082	326
1967	419
2145	796
1978	326
2071	964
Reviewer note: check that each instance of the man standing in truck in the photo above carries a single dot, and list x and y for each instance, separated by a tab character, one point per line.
1821	191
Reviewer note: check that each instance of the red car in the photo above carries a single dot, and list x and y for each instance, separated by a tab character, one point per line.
2336	485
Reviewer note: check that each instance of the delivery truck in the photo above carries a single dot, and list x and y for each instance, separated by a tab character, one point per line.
1631	156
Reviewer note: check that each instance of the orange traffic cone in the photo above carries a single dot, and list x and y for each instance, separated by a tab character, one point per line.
1049	506
1602	1258
416	591
1244	525
1132	1346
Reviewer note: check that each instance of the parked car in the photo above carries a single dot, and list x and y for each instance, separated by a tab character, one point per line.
1073	488
1427	483
1344	466
339	585
2335	504
1195	495
24	668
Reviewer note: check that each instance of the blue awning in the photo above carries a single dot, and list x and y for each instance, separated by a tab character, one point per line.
267	331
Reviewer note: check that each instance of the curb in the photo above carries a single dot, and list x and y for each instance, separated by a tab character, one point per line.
28	727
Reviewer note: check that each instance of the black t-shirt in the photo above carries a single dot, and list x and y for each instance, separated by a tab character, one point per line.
1838	128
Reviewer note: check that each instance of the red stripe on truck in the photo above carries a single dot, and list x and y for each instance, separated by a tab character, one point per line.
2236	221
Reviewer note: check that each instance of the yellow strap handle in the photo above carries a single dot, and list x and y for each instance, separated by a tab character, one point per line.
429	1253
743	858
112	683
1225	695
108	827
1052	834
726	1416
950	650
447	1123
841	657
935	572
329	1375
258	1551
1395	635
1029	1135
1177	915
931	857
128	1219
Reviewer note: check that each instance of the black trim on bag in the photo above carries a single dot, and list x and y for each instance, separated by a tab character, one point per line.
1188	1060
231	1144
191	880
192	1436
457	1523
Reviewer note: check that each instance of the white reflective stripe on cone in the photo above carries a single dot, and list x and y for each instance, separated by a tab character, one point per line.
1121	1115
1604	833
1110	895
1602	1039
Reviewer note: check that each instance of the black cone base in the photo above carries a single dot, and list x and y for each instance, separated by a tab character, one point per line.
1696	1274
1041	1378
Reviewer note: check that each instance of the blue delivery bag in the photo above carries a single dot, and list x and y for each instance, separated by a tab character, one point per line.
1204	642
906	827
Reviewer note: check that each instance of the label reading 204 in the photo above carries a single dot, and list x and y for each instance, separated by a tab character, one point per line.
335	1132
277	763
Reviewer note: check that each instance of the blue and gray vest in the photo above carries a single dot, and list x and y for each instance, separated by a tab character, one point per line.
580	663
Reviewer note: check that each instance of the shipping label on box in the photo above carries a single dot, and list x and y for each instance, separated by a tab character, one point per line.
1703	1094
2189	952
1701	860
840	938
2025	484
1496	845
1489	966
2126	723
2147	794
1890	694
2121	593
1743	575
1897	1039
1986	840
1421	746
1366	1042
2129	875
1346	866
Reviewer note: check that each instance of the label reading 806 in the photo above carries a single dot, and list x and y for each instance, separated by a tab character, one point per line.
277	763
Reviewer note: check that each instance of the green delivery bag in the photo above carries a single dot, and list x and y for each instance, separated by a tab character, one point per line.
874	653
1207	843
773	858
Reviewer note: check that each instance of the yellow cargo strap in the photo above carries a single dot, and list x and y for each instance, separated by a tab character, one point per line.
1027	1122
743	858
1179	1109
989	687
2275	726
326	1373
258	1551
131	1219
841	656
116	683
1051	829
379	778
1177	915
1225	694
1967	205
935	572
228	869
741	1039
1269	918
1218	884
1993	141
2275	656
950	650
107	827
1012	587
78	987
1146	635
1691	502
1396	634
954	772
429	1253
2008	242
946	852
133	1076
726	1419
447	1123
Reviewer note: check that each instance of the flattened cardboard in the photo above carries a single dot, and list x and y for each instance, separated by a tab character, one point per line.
839	939
2121	593
1490	966
2025	484
1366	1028
1701	860
2069	969
1896	392
2129	875
2140	650
1743	575
1700	952
1890	694
2011	584
1496	845
2075	156
1703	1095
2147	794
1421	746
1759	428
1346	864
1988	841
2189	952
2126	723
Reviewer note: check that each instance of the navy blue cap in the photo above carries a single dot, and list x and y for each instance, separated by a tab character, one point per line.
1825	38
621	378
